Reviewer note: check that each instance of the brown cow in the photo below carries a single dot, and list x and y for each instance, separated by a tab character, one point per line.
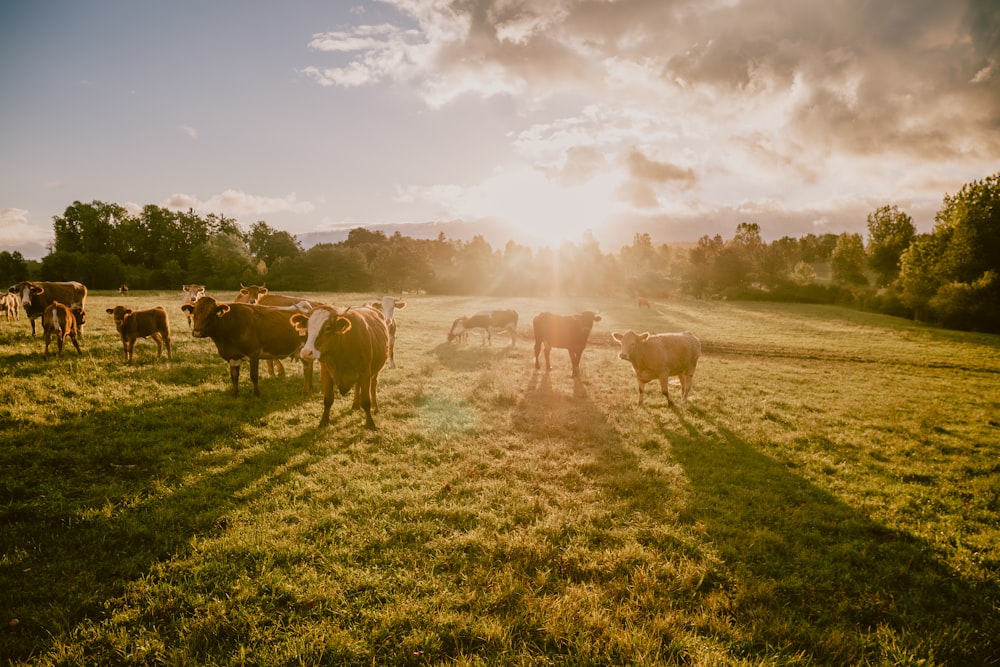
36	296
244	331
388	305
643	302
563	331
486	321
352	347
60	320
658	356
191	294
258	294
132	324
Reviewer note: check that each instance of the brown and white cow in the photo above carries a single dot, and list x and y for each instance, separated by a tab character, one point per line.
244	331
150	323
61	321
35	297
388	305
563	331
485	321
658	356
123	289
10	306
191	294
352	347
259	295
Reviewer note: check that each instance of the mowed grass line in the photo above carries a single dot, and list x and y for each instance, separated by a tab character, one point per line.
829	495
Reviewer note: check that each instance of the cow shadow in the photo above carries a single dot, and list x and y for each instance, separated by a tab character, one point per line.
830	571
65	493
466	357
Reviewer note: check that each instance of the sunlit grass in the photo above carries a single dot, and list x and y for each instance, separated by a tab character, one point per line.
830	494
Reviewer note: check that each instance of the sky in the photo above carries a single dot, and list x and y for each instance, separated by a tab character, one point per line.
677	118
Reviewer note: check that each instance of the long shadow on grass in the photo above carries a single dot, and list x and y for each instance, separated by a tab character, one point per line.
816	577
463	357
91	504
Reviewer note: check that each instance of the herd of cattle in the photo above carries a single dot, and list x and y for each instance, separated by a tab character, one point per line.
352	344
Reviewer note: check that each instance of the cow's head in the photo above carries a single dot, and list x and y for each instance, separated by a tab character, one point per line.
25	290
319	326
79	316
204	312
388	305
250	293
193	292
628	341
457	328
118	313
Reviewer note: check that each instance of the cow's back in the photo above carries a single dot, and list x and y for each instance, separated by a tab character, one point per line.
673	352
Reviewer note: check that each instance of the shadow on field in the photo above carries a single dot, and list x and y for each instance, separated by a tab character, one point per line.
469	356
93	503
813	570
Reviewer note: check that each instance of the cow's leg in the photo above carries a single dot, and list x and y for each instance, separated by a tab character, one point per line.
130	350
664	380
548	363
234	375
59	339
538	348
642	390
686	380
159	345
326	377
366	402
375	394
307	376
76	344
574	360
255	374
166	342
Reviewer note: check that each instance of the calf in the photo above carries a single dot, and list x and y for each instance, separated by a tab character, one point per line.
244	331
352	347
35	297
658	356
132	324
60	320
191	294
388	305
9	306
563	331
486	320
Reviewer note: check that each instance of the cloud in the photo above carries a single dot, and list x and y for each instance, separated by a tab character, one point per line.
239	203
188	130
16	228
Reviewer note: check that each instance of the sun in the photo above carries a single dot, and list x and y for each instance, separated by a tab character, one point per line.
546	212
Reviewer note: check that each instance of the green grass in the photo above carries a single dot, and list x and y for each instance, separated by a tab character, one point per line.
829	495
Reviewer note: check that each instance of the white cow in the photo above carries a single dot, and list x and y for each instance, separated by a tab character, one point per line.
658	356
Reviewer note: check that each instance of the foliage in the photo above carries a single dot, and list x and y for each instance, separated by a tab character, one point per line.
847	263
890	232
504	515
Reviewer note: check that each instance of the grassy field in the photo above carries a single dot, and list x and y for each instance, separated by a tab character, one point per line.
829	495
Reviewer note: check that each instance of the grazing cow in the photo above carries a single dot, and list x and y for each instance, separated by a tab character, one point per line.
123	289
643	302
244	331
132	324
35	297
9	305
486	320
563	331
388	305
191	294
60	320
352	347
658	356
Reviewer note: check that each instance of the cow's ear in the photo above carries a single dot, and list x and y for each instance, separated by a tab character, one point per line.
128	310
597	318
643	336
187	308
35	289
400	305
109	311
299	321
341	325
221	309
617	336
261	292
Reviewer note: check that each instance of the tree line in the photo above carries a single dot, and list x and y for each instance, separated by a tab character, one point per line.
948	276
